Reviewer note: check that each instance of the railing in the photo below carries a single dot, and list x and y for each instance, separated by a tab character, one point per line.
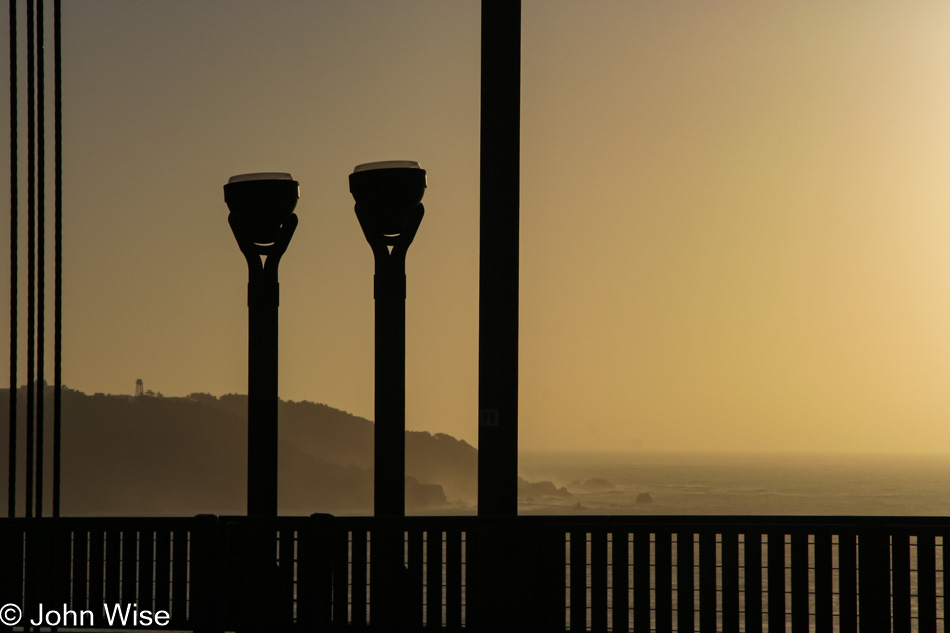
468	573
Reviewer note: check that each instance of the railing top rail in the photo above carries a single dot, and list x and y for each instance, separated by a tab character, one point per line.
610	522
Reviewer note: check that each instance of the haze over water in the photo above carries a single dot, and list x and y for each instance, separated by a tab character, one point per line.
743	483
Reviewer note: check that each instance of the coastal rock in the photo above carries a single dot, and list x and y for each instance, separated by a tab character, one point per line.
644	499
597	484
535	489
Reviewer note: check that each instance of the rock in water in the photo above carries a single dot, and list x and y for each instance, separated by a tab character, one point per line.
644	498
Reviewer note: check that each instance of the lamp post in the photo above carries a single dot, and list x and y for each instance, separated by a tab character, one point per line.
263	221
389	208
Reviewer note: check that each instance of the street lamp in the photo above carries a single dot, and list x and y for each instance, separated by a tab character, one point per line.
263	221
389	208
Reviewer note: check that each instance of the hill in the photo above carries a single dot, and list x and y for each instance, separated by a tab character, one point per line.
181	456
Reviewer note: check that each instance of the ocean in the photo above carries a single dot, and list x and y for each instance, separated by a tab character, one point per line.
745	484
739	483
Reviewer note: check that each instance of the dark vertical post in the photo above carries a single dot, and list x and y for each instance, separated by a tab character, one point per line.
752	587
261	217
40	249
707	580
263	224
847	583
389	209
31	250
641	579
901	577
498	258
926	584
11	489
663	580
262	303
620	555
874	578
800	588
775	576
207	573
58	253
730	581
389	291
598	579
824	582
685	581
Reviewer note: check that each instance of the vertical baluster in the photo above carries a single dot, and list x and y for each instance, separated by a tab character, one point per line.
181	617
129	559
163	554
113	561
341	577
453	579
707	580
730	581
900	569
926	584
685	570
598	579
358	574
620	559
800	587
578	580
146	589
80	569
847	583
433	578
824	587
776	578
641	580
415	577
874	578
62	551
945	577
753	582
96	560
663	561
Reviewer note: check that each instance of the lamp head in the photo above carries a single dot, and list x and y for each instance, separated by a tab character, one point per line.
261	203
388	191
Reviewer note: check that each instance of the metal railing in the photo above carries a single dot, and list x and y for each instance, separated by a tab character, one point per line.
709	573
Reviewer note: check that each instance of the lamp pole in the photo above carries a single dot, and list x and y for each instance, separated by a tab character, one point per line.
389	208
263	223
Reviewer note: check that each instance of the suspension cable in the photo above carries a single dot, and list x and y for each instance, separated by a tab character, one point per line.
58	252
11	489
31	248
40	248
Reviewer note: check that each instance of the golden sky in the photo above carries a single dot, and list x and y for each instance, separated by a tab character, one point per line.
735	222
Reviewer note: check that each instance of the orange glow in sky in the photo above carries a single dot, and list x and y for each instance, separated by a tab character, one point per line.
735	222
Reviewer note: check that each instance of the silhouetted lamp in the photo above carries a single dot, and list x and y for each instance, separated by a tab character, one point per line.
389	208
263	221
260	204
386	194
